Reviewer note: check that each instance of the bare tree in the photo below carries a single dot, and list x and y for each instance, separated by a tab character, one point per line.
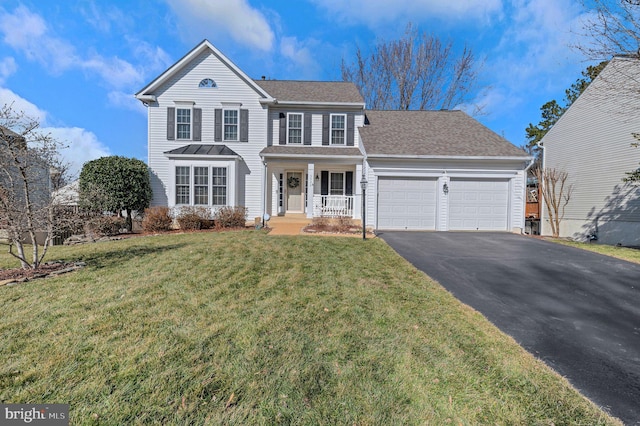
612	28
417	71
556	193
28	160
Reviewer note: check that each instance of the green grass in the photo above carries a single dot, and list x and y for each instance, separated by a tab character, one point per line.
246	328
624	253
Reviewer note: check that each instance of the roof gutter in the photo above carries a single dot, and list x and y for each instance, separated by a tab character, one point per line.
312	105
447	157
311	156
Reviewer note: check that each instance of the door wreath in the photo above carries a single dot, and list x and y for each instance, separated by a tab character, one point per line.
293	182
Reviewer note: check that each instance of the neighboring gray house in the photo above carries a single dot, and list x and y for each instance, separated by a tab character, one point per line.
592	143
218	137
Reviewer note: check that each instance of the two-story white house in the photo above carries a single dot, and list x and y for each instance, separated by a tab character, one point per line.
217	137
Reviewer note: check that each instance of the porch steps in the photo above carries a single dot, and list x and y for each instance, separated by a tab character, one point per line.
290	224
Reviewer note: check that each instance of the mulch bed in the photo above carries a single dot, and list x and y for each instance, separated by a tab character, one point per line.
16	275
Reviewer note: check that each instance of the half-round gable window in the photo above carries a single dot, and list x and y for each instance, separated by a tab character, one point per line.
207	82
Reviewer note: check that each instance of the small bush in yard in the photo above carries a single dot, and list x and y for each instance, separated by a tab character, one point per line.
231	217
157	219
194	218
105	226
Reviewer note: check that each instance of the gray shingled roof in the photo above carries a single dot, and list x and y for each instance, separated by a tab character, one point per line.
426	133
198	149
310	151
312	91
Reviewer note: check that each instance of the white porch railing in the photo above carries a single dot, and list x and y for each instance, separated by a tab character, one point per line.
333	205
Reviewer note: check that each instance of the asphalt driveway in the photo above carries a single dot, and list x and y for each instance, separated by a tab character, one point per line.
577	311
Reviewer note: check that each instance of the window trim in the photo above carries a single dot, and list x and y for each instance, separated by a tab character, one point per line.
344	129
301	128
190	124
224	124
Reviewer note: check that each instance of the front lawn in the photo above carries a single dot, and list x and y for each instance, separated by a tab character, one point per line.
624	253
246	328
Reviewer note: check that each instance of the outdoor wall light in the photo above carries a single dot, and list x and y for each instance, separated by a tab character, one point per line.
317	177
445	188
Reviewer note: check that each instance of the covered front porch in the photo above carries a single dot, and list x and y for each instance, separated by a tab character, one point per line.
314	187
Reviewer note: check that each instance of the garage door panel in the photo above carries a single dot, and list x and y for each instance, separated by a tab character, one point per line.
478	204
406	203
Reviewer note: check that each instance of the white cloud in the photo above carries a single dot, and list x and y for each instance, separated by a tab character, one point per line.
205	19
27	32
8	67
126	101
19	104
376	12
301	56
81	145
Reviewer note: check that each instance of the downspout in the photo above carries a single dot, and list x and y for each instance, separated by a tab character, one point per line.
264	194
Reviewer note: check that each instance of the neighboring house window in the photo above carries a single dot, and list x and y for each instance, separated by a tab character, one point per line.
219	186
230	124
183	123
295	128
338	122
201	185
207	82
182	185
336	184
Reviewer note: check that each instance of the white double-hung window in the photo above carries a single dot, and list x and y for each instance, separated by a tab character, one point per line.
183	123
230	124
338	129
294	132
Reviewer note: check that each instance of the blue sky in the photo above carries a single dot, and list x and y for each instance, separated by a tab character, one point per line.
75	64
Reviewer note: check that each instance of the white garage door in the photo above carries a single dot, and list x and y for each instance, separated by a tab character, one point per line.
478	204
406	203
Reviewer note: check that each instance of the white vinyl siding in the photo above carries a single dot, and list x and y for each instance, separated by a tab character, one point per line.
244	187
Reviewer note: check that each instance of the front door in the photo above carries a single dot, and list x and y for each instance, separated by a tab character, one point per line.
295	198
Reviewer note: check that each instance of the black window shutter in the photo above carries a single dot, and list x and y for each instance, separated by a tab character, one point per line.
244	125
325	129
350	133
348	185
283	129
217	125
171	123
324	182
307	128
197	124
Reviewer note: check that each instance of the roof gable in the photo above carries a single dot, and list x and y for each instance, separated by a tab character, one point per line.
432	133
149	89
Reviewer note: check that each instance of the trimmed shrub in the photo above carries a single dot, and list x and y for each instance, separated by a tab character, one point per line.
231	217
105	226
156	219
193	218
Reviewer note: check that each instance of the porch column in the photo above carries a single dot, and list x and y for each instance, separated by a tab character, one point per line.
357	200
311	173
